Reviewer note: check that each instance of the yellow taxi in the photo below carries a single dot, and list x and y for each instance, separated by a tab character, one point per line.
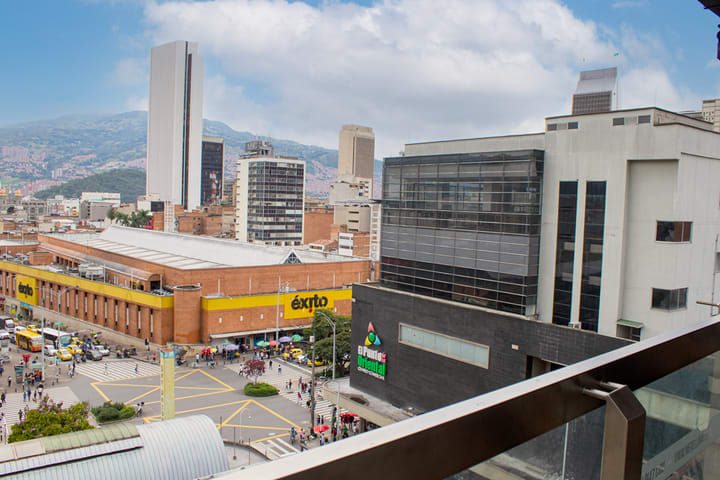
73	349
33	328
293	353
318	363
64	355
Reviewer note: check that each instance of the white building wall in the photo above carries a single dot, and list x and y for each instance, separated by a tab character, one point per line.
165	122
241	200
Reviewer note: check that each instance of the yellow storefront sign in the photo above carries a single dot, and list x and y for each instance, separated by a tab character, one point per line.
302	305
294	304
26	288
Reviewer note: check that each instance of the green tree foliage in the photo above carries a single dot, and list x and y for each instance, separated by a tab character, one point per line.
49	419
324	341
112	411
128	182
140	218
259	390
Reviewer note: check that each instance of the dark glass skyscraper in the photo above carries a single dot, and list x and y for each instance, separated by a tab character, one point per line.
211	172
464	227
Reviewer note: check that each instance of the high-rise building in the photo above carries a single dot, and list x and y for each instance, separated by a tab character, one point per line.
356	153
211	173
596	92
175	123
270	196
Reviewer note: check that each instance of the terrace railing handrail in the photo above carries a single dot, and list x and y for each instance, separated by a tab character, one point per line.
448	440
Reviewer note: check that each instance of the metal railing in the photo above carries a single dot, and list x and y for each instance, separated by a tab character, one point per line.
449	440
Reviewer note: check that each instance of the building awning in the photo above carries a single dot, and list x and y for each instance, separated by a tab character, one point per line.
255	332
630	323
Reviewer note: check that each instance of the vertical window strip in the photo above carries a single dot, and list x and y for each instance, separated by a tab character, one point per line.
592	255
565	252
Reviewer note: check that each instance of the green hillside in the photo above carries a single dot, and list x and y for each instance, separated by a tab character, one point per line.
129	182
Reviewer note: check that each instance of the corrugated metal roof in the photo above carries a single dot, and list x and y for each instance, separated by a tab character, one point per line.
110	433
191	251
183	448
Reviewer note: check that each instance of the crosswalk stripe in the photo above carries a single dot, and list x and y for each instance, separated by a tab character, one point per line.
116	370
14	403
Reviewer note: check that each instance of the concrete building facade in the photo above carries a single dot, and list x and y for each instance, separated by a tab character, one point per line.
175	123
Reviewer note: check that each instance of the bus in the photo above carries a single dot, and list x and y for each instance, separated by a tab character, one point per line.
29	340
57	338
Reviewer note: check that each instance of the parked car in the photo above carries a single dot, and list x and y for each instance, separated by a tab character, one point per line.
33	328
318	363
301	359
93	354
63	355
49	350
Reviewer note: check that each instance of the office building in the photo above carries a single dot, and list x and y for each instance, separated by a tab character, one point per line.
596	92
269	198
175	123
356	153
505	257
211	173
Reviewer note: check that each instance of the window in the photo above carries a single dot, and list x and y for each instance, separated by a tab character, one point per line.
618	121
139	318
673	231
669	299
444	345
572	125
152	323
643	118
551	127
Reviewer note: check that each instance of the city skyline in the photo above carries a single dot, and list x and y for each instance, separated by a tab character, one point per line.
411	70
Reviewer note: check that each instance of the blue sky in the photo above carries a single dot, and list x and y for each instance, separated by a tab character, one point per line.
411	69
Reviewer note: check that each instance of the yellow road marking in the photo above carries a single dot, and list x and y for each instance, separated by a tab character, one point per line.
269	438
192	396
141	396
207	407
255	426
187	374
135	376
274	413
247	402
213	389
218	381
100	392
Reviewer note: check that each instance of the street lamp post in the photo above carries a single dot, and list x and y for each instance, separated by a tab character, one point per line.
312	380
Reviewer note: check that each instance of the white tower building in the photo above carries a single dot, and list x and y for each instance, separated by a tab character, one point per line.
174	142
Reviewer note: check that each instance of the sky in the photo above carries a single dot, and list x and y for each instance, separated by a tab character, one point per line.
413	70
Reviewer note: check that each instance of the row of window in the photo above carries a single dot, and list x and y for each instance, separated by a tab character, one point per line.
445	345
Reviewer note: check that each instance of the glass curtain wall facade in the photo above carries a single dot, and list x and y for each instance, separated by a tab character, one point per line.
211	172
592	255
275	201
464	227
565	252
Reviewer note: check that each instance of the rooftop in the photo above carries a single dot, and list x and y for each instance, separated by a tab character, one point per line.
190	252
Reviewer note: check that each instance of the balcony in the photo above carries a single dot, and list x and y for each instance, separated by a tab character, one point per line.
648	410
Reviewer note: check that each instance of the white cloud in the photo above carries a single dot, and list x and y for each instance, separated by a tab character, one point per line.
129	72
652	86
411	69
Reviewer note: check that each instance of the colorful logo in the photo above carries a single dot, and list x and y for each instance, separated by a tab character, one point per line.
372	337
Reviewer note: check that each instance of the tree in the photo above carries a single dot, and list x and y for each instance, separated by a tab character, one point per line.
111	214
122	219
324	340
140	218
49	419
254	368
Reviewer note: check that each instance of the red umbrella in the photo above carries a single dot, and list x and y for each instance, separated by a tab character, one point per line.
321	428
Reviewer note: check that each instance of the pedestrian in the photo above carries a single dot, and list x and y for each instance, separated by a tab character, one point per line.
354	428
106	368
299	398
9	381
20	414
290	384
35	396
279	370
24	396
136	369
322	439
270	363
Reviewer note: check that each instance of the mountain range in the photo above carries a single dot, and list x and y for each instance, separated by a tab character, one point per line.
39	154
